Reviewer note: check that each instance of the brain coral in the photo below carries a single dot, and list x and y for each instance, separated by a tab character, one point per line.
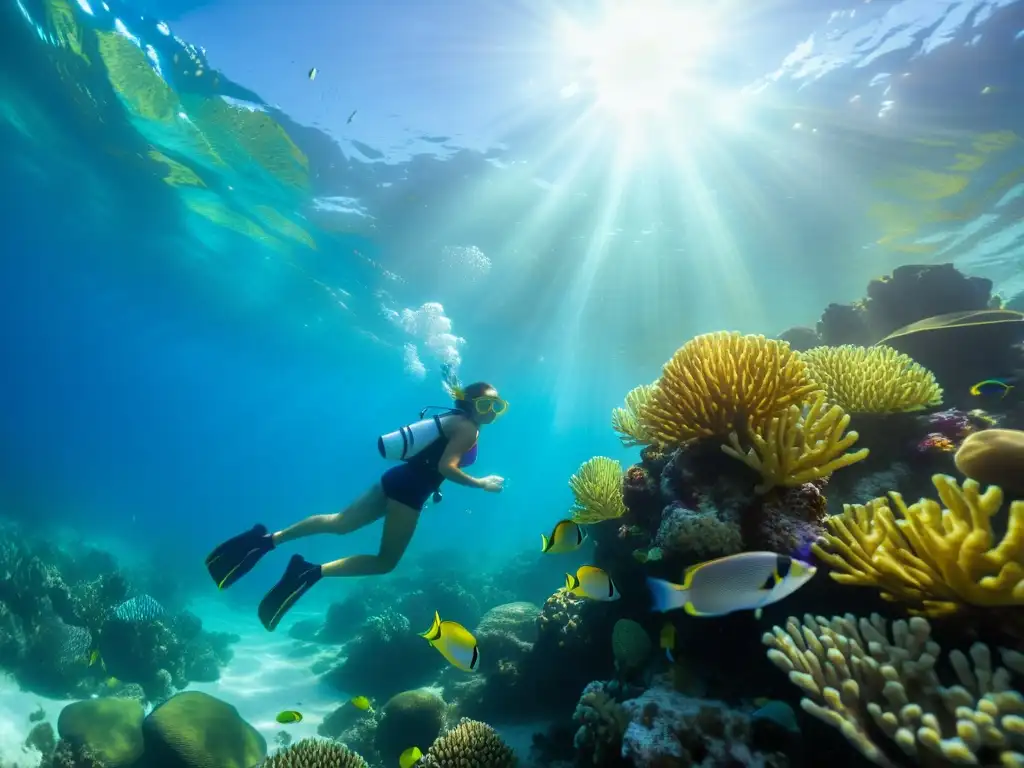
315	753
721	382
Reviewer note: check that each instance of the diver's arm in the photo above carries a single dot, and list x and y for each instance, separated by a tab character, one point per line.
460	441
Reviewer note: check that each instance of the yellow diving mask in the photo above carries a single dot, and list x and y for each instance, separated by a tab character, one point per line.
490	404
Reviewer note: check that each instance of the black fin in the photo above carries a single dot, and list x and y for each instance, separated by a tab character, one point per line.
782	565
769	583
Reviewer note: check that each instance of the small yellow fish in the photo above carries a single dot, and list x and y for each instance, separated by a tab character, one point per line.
113	682
454	642
410	757
94	656
361	702
592	583
566	536
744	582
667	640
289	716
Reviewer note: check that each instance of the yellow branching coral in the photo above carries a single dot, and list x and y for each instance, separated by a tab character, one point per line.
935	558
868	686
597	486
720	382
797	447
872	379
315	753
626	420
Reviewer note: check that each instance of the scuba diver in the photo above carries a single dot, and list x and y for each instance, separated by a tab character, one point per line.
434	449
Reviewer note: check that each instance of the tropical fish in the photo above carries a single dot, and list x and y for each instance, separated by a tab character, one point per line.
991	387
743	582
454	642
361	702
410	757
139	609
289	716
94	656
778	712
591	582
667	640
313	73
566	536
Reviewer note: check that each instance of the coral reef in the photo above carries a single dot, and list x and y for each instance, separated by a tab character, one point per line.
72	625
798	446
597	489
600	724
110	728
868	685
470	744
626	421
668	728
935	559
723	382
315	753
872	379
631	646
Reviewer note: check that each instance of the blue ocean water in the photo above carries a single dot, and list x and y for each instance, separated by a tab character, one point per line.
224	277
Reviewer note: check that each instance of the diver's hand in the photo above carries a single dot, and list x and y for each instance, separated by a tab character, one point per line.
493	483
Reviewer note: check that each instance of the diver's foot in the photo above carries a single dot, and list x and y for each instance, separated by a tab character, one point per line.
297	580
237	556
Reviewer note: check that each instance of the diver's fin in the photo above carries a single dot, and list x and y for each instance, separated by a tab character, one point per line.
238	555
298	577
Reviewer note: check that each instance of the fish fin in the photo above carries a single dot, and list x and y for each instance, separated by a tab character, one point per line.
690	609
770	581
666	596
434	633
543	543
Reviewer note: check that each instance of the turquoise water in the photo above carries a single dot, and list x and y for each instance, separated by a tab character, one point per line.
225	277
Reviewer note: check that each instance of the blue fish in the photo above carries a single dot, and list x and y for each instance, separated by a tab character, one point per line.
991	387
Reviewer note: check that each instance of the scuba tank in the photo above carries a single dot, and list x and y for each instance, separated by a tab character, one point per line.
408	441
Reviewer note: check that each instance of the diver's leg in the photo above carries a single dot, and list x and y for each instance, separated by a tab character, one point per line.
399	526
367	509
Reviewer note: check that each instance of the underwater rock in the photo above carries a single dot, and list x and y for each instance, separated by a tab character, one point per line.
385	657
800	338
994	457
788	521
916	291
42	739
343	718
506	632
111	729
844	324
196	730
667	728
447	598
410	718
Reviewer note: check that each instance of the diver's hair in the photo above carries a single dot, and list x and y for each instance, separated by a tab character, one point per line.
473	391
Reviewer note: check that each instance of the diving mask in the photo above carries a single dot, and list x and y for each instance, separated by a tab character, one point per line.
490	404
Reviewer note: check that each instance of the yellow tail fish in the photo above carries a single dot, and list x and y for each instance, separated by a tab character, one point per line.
455	643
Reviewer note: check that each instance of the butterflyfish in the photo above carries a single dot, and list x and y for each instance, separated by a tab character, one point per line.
289	716
455	643
410	757
592	583
991	387
667	640
566	536
744	582
360	702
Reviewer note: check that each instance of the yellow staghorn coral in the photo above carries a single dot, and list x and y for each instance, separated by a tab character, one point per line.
869	687
720	382
935	559
872	379
597	486
797	447
626	421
